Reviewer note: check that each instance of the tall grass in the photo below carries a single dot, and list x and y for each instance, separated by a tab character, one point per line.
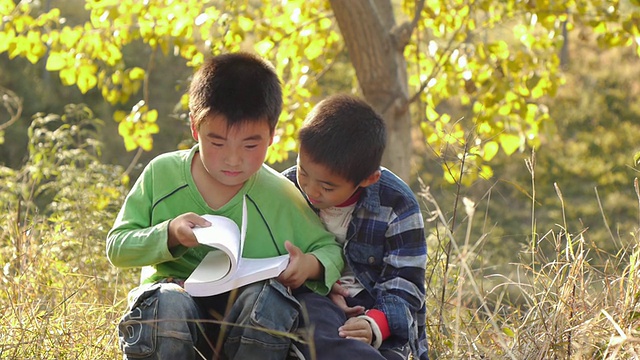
61	299
57	304
548	305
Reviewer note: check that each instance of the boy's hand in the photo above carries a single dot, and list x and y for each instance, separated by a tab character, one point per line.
338	295
356	328
181	230
301	267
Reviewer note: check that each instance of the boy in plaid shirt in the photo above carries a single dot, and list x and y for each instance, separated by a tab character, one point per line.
377	308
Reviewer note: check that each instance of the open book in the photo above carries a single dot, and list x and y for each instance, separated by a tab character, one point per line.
224	269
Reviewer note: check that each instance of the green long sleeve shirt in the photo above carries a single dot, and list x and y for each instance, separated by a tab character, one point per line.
276	211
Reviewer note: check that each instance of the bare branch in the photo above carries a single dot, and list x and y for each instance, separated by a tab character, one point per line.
402	33
13	104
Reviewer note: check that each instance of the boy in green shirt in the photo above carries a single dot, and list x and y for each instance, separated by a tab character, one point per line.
234	102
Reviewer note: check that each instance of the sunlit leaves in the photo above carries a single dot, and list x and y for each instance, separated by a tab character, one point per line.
497	59
509	143
87	79
503	79
118	86
56	61
490	150
137	127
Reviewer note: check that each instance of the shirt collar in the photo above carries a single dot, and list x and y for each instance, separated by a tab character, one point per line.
370	197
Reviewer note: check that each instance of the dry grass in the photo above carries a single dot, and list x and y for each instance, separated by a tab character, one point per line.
557	306
61	299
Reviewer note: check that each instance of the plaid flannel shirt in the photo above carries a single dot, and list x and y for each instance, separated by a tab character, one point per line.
387	250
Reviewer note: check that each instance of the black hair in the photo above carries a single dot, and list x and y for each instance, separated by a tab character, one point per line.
239	86
346	135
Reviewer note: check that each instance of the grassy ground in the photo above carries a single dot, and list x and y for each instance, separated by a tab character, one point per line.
61	299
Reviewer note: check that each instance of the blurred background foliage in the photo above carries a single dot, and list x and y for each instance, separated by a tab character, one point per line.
586	147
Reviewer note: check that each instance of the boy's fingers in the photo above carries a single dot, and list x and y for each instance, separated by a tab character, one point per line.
293	250
353	311
340	290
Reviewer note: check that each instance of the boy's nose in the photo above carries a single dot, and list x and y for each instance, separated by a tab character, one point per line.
311	191
232	158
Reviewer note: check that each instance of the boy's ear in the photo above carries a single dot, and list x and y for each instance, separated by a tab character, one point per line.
371	179
194	131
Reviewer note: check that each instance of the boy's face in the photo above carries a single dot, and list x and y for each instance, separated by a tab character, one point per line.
232	155
321	186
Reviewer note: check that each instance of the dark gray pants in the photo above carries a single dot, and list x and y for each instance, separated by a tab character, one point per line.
322	318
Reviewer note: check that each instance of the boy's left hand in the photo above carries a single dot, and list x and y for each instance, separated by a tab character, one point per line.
301	267
356	328
338	295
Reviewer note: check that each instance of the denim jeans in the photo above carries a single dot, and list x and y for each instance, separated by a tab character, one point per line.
322	318
165	322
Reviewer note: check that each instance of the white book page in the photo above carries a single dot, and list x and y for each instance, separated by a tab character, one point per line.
224	235
225	270
252	270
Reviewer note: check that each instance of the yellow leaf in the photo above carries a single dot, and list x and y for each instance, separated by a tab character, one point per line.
87	79
486	172
537	92
116	77
432	115
451	175
504	109
119	115
484	128
125	179
6	38
501	50
510	143
490	150
69	37
124	129
146	143
601	28
508	331
136	73
68	76
129	144
152	116
245	23
314	49
152	128
263	47
184	101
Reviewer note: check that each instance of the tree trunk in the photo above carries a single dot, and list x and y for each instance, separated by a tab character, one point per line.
367	28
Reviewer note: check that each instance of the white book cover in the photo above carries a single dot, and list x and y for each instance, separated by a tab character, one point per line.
224	269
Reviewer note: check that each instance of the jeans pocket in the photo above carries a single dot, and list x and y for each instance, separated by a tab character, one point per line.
138	329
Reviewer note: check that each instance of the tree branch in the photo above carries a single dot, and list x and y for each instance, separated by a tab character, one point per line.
12	103
402	33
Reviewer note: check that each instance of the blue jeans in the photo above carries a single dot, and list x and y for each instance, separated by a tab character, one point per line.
322	318
165	322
